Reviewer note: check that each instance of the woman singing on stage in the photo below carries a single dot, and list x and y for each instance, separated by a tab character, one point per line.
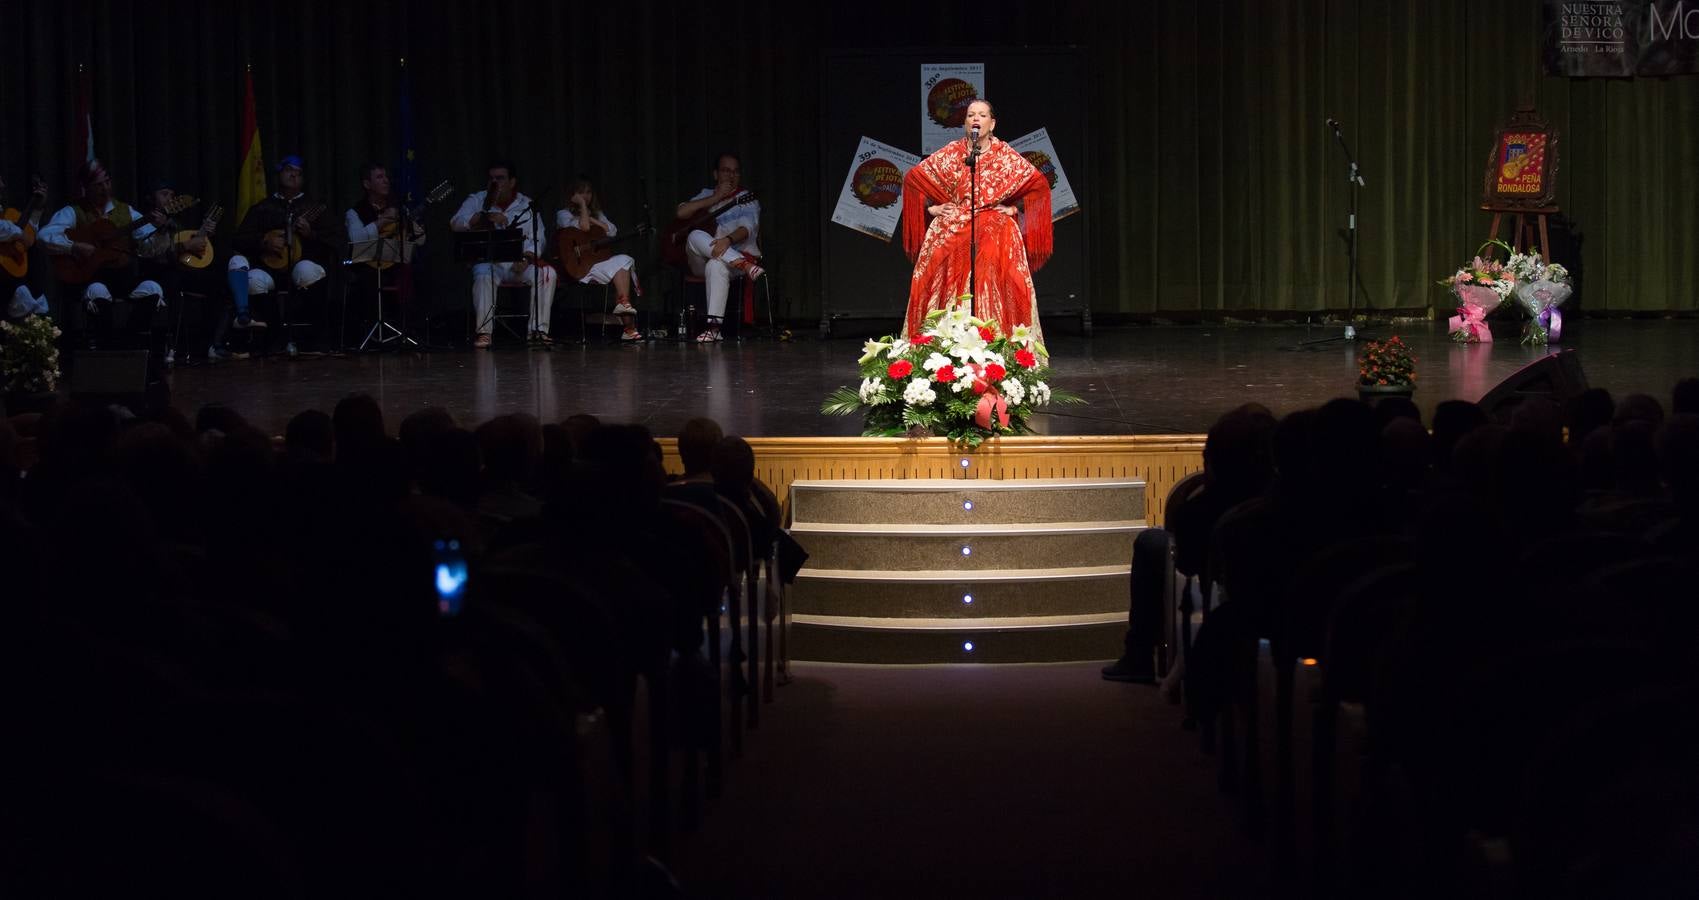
1010	225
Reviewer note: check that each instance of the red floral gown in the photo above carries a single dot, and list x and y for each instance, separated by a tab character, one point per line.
1010	249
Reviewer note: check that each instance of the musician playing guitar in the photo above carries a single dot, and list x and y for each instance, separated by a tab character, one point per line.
100	230
175	236
17	235
266	250
584	221
723	247
377	215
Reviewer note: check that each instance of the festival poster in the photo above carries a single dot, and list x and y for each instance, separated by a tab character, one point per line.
946	89
871	201
1039	151
1521	160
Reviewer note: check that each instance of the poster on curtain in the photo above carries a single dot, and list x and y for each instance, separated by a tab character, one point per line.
871	200
1039	151
946	89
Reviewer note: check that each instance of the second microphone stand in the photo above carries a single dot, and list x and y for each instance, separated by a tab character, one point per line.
1354	177
972	163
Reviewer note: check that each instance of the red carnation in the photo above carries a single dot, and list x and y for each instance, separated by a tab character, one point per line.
986	334
945	374
900	369
1025	358
995	372
921	340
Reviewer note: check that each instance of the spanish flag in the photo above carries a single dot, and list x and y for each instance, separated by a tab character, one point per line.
250	181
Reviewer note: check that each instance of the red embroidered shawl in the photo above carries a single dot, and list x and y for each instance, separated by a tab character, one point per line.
1010	249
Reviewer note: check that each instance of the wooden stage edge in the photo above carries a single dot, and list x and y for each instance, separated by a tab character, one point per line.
1158	460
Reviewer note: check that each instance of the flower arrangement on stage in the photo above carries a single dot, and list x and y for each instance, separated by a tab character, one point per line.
29	355
1387	363
1538	286
960	378
1480	287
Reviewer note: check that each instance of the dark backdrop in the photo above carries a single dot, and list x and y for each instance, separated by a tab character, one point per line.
1212	183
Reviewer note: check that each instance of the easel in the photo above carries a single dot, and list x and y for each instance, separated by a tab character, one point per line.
1511	188
1519	228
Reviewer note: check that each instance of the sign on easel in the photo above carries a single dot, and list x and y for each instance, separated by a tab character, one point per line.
1521	176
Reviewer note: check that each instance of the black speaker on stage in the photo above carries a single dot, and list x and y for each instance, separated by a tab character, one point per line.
1556	377
112	376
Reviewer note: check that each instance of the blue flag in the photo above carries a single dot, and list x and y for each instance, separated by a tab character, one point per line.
407	175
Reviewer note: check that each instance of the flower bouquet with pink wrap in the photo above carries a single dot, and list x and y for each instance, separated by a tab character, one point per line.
1480	287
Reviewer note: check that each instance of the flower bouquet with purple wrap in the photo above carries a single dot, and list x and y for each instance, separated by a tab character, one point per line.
1541	288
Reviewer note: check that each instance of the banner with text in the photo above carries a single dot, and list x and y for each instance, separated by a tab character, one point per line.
1622	39
1038	150
945	91
871	201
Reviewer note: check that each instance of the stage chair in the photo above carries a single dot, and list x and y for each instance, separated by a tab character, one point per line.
513	302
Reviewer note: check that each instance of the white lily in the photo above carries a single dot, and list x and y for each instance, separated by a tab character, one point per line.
871	349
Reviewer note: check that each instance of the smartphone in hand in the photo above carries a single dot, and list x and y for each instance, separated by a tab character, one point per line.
450	576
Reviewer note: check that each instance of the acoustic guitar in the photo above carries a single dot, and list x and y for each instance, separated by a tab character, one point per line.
292	252
208	225
581	250
390	229
673	238
14	255
113	247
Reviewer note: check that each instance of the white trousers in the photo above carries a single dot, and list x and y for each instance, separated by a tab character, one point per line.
716	273
305	274
485	277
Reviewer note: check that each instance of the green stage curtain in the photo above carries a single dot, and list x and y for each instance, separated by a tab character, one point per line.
1212	185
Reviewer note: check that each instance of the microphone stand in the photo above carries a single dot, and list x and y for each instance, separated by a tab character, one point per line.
972	163
1354	177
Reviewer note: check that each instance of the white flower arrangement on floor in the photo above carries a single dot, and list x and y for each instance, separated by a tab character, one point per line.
29	355
959	378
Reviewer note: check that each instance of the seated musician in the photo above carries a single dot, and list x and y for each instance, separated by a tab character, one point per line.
501	205
98	291
584	213
725	247
157	260
13	290
377	216
265	255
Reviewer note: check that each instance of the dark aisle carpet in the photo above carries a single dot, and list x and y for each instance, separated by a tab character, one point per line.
970	781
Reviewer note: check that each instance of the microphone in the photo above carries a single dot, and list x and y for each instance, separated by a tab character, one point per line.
976	134
1332	122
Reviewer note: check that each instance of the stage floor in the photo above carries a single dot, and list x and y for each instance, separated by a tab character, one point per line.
1138	380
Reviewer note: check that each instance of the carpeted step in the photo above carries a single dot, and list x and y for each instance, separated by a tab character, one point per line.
961	595
941	501
1012	639
958	548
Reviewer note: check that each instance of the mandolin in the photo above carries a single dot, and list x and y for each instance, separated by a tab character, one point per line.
673	238
14	255
208	225
580	250
292	252
113	247
413	213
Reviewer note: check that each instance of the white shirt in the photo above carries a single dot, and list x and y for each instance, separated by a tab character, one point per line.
747	216
531	226
53	235
9	231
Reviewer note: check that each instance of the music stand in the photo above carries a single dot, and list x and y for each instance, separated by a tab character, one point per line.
491	246
392	250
